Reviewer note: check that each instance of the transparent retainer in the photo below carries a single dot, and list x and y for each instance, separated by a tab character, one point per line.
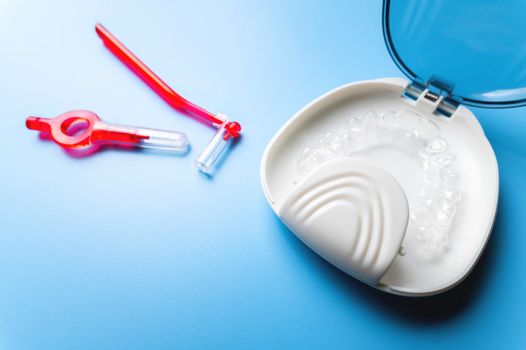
434	208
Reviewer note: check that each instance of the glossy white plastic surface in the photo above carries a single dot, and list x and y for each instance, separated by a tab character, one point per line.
351	212
414	272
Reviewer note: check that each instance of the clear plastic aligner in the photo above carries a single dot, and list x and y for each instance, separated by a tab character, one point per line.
432	216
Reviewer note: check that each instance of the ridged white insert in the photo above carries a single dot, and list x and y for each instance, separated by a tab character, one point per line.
351	212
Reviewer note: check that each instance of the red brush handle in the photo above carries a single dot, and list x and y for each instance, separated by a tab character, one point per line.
157	84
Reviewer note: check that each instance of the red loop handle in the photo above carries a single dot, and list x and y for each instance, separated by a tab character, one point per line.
94	130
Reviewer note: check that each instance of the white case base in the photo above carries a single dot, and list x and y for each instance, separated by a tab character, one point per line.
414	273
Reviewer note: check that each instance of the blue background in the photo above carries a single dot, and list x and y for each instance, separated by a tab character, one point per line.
134	250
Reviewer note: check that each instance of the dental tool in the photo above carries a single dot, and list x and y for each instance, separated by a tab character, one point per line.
227	131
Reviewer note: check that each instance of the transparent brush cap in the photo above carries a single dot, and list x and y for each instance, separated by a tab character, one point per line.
475	48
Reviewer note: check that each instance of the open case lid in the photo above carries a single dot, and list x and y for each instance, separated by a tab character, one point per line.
469	51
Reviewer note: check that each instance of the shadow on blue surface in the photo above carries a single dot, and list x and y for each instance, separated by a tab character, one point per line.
417	311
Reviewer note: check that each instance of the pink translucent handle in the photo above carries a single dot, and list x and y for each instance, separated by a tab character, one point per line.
81	129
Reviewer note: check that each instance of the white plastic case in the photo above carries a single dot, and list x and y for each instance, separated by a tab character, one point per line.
354	211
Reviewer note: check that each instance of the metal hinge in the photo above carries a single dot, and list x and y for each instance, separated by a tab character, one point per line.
434	90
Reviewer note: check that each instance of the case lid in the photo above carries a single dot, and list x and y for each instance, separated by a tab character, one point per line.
472	50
